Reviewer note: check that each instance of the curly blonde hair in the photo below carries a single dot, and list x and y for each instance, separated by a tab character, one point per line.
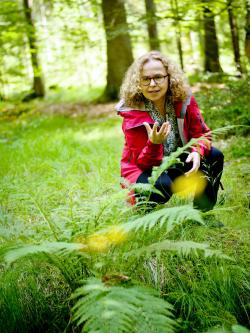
130	90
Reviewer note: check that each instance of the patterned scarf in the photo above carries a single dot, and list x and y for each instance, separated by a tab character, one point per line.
173	140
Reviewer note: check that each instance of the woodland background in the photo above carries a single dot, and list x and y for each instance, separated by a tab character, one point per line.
74	256
74	44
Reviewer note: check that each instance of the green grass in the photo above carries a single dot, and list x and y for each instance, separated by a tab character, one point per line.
59	180
34	298
225	106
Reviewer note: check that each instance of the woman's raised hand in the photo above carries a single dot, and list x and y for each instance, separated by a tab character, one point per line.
158	136
195	158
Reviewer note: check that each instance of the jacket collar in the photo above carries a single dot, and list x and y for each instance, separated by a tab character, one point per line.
122	107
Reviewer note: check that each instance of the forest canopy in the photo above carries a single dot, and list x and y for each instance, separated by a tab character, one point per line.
51	44
75	255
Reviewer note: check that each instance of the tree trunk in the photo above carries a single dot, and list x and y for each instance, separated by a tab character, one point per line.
175	10
38	84
247	28
235	36
201	39
119	50
179	46
151	25
212	62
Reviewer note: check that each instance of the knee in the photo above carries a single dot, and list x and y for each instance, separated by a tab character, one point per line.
216	155
163	184
164	181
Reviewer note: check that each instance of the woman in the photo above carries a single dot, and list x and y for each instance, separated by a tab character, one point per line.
160	115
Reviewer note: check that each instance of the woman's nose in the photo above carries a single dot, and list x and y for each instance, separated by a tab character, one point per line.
152	82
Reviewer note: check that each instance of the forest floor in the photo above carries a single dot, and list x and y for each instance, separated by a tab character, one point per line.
59	177
76	109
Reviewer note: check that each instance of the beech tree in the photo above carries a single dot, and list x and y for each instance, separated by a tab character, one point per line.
152	25
38	84
119	50
177	18
247	28
211	48
234	35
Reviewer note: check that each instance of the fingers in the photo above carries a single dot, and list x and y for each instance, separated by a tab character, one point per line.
195	158
157	136
164	130
189	158
154	129
148	128
190	171
195	168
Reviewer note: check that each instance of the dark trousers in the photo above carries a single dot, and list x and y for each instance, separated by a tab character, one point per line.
211	166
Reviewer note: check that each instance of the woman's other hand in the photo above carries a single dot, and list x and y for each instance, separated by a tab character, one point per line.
195	158
160	136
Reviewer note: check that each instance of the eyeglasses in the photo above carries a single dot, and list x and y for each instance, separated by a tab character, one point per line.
158	79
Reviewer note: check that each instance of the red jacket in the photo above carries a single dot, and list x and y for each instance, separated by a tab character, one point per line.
139	153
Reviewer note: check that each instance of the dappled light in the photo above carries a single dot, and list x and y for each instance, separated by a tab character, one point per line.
101	242
124	172
186	185
96	135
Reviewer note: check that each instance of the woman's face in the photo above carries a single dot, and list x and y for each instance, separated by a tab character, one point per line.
154	80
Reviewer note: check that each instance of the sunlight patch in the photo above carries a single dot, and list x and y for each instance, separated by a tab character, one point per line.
186	185
100	242
96	134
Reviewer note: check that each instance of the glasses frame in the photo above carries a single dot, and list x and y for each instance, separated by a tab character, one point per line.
154	79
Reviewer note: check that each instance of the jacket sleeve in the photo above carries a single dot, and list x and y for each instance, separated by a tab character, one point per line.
198	128
143	152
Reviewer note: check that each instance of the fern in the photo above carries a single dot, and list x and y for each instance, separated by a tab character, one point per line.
225	129
72	267
235	329
13	253
165	217
167	162
170	160
240	329
68	258
104	309
145	188
181	247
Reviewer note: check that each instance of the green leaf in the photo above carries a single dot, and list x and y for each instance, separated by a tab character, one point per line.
16	252
108	309
240	329
166	218
181	247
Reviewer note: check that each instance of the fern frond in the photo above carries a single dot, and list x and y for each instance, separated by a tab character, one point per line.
167	162
165	217
145	188
225	129
11	254
72	267
170	160
181	247
106	309
240	329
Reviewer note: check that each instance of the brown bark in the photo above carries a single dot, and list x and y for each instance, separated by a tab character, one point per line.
234	35
175	9
211	48
247	28
119	50
38	84
151	25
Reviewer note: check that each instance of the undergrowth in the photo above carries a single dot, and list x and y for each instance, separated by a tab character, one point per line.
75	256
